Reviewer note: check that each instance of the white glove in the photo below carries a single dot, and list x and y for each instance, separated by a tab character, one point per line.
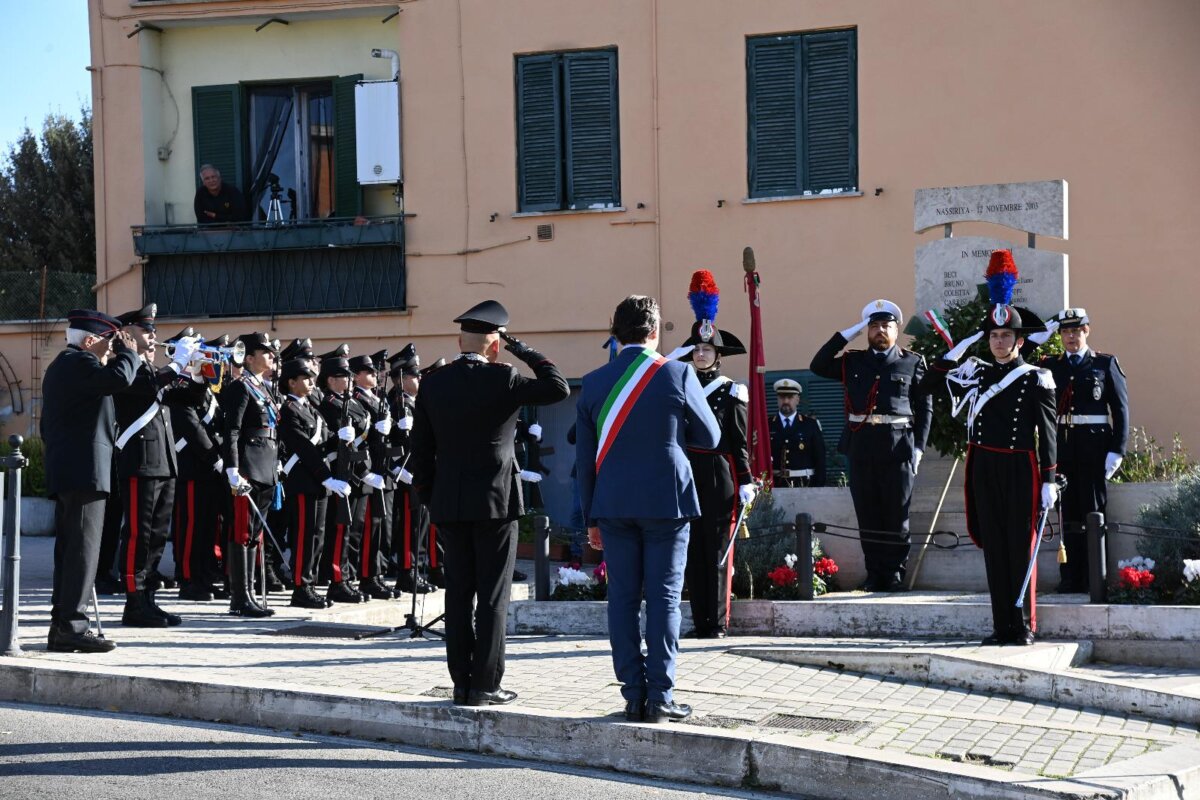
535	431
234	477
185	348
746	493
854	330
961	348
1049	495
373	480
404	423
346	434
384	426
1112	463
916	460
530	476
337	487
1042	338
220	465
403	475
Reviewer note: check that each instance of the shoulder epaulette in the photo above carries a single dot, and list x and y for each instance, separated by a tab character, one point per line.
1045	378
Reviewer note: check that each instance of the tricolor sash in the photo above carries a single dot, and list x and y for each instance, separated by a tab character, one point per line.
621	399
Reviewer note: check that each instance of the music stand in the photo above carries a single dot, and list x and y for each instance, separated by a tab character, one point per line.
412	622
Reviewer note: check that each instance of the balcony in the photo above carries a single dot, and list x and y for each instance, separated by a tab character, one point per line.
256	269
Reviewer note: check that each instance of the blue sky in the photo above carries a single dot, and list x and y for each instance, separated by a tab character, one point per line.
42	63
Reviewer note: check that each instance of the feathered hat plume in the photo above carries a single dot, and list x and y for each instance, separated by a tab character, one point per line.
704	295
1001	277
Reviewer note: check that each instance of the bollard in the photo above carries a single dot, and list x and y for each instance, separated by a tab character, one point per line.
804	526
11	529
541	557
1097	558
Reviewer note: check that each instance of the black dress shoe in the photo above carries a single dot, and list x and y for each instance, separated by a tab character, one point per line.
658	711
635	711
460	696
196	592
871	584
500	697
893	583
1022	638
715	633
994	640
70	642
518	576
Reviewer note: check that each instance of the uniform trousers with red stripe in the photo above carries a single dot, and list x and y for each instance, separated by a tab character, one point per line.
1005	489
377	536
306	534
343	542
413	535
246	527
197	523
148	505
708	585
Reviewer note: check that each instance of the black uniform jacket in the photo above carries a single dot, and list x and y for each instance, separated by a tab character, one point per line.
402	407
719	472
149	453
1018	421
463	461
890	386
377	443
78	420
1095	388
334	410
251	443
196	419
800	446
305	442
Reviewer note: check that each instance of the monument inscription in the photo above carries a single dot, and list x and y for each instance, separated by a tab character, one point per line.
948	272
1038	207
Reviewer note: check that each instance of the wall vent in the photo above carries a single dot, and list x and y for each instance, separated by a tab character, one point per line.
545	233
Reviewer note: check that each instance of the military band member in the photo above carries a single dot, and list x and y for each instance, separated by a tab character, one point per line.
147	465
1011	449
196	420
307	480
1093	429
352	424
722	475
465	470
375	542
888	419
797	443
251	453
410	515
77	426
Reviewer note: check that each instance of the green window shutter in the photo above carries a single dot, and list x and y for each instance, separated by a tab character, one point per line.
539	134
830	111
592	128
347	194
218	131
773	130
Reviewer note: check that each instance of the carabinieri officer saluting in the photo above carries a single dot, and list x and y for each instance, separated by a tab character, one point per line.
888	419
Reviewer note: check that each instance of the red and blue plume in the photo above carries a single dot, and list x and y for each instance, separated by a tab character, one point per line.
1001	277
704	295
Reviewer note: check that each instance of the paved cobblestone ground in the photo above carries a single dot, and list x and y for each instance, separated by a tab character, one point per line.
573	675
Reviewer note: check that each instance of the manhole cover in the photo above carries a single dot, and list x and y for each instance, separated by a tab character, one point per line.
441	692
817	724
327	631
715	721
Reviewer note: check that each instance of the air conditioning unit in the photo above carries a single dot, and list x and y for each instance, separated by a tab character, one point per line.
377	132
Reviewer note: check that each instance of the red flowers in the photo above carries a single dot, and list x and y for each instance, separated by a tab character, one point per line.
1133	578
825	567
783	576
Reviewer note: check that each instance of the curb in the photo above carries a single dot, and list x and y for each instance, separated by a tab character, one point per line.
706	756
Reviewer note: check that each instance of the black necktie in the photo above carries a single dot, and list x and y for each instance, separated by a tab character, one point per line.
1075	359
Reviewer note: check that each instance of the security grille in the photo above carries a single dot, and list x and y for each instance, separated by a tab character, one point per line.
327	631
815	724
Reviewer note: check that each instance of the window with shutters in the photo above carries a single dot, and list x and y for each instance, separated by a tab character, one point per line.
568	138
288	148
802	92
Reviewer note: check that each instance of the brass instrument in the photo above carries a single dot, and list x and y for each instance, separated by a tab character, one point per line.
212	354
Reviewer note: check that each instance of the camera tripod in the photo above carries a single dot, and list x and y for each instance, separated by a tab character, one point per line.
275	206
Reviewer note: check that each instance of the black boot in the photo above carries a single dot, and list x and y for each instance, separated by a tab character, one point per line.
196	591
139	614
305	597
342	592
172	619
374	589
240	601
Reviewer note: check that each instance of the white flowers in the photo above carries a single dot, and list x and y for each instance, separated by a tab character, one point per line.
790	559
1191	570
1137	562
572	577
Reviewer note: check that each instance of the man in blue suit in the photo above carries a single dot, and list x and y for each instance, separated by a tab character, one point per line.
636	416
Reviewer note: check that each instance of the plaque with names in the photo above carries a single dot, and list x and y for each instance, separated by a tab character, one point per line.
948	272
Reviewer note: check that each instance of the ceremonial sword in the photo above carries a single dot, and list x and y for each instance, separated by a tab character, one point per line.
1061	480
737	527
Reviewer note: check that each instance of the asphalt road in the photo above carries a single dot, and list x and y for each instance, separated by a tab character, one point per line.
68	754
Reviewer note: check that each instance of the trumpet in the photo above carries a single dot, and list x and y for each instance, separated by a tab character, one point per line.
211	354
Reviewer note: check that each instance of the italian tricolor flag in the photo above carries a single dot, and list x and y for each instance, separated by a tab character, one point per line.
621	398
939	324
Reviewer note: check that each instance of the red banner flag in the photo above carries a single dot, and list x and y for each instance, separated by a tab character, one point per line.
758	434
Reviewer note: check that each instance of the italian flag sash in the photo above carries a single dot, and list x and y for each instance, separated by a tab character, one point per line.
621	398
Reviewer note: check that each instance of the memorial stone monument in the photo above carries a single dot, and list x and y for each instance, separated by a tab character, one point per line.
947	271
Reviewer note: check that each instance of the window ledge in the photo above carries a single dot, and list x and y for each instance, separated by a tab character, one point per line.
787	198
562	212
